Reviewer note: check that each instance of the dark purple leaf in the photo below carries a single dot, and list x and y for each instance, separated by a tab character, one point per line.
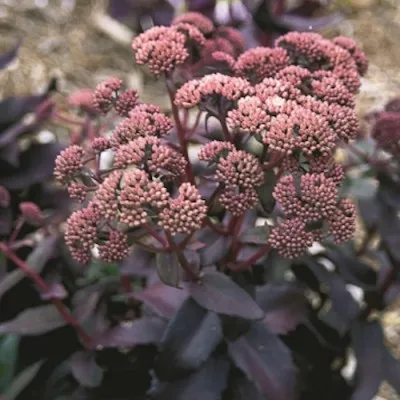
34	321
168	268
255	235
389	188
13	109
368	343
85	301
389	228
305	24
85	370
351	269
139	263
265	191
218	293
164	300
266	361
343	302
217	247
190	338
36	164
242	389
385	267
284	305
392	371
36	261
206	384
5	221
145	330
10	153
9	55
56	291
120	9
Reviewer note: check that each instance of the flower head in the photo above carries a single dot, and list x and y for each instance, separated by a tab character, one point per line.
140	198
232	35
125	102
343	120
83	99
116	248
31	212
358	55
105	94
249	116
323	85
204	24
237	201
106	197
214	150
81	232
261	62
69	163
100	144
271	87
194	37
141	123
302	130
212	86
290	238
313	52
386	132
319	197
161	48
135	152
343	223
184	214
240	169
77	191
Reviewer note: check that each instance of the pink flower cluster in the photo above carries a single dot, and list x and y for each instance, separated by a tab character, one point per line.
189	43
282	113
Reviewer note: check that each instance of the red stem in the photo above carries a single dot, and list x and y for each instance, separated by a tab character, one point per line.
192	130
155	234
180	132
68	119
235	237
182	259
225	130
20	222
44	288
126	283
251	260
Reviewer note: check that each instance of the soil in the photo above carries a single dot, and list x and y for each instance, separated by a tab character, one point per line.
75	41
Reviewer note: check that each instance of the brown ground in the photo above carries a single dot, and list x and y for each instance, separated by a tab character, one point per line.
73	40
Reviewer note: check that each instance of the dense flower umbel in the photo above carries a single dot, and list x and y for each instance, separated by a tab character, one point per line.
295	99
68	163
261	62
161	49
291	238
204	24
186	213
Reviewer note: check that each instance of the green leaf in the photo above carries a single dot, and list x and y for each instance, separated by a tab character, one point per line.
8	357
21	381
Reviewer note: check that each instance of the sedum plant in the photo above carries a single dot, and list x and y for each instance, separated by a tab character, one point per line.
193	229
